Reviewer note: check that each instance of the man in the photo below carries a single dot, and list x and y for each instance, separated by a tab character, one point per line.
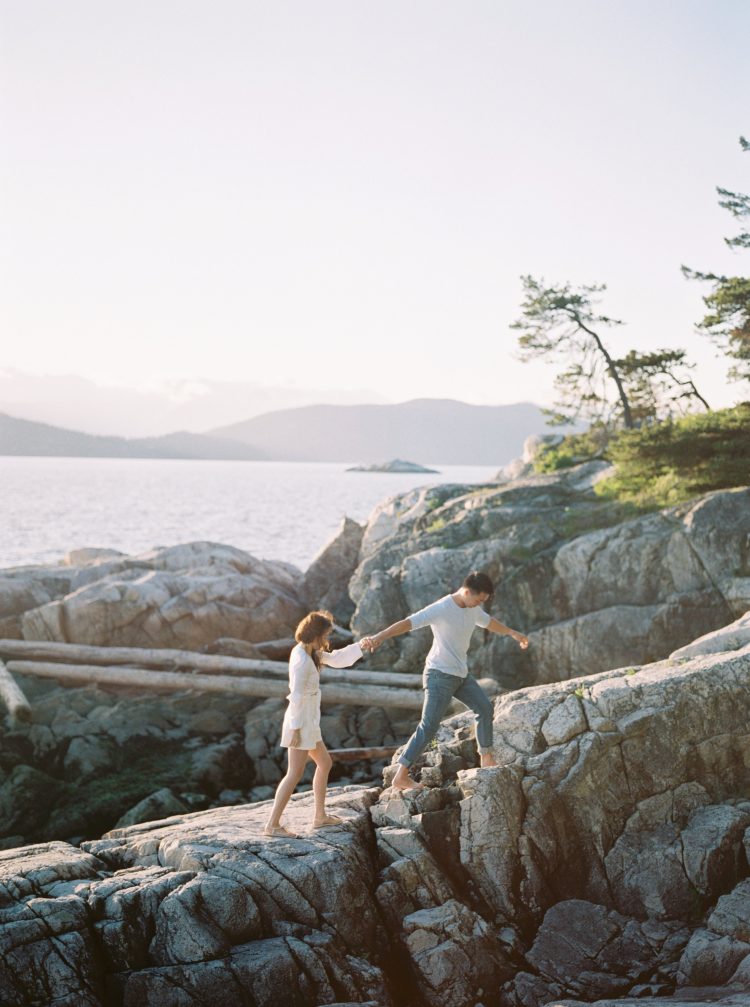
452	619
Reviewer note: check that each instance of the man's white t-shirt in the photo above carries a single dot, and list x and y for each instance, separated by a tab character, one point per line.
452	627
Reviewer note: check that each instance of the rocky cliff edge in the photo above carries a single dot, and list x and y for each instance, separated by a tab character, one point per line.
606	857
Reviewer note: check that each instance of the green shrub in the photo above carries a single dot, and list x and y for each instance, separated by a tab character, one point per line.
573	449
666	463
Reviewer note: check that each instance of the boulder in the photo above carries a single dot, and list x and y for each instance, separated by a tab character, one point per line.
593	587
595	952
161	804
455	954
184	596
524	465
325	584
735	636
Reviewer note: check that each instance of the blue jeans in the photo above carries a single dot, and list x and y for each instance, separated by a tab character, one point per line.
440	689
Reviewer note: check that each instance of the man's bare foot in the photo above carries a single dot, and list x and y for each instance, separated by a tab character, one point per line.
320	823
486	760
402	780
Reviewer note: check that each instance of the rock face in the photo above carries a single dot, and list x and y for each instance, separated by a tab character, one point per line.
199	910
91	756
592	589
326	581
606	857
731	637
184	596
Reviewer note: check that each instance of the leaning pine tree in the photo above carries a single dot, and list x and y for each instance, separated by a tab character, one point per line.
561	323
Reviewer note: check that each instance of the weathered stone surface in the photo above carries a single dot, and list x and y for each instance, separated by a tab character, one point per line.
326	581
605	857
560	810
592	591
196	910
455	954
596	952
91	754
182	596
723	997
161	804
735	636
674	872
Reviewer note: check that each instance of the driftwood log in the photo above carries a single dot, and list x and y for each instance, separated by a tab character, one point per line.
13	697
186	660
146	679
359	754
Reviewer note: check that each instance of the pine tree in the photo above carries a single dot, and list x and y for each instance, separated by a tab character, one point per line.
727	321
561	323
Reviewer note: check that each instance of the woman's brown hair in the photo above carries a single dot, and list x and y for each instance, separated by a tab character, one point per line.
312	628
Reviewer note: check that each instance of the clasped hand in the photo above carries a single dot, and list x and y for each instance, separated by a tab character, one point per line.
369	644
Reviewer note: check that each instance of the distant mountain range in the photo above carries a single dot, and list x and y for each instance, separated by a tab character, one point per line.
25	437
428	431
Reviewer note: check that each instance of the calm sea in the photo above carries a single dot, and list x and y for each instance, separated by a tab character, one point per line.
274	510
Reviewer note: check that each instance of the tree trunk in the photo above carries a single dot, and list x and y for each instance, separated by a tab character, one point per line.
172	660
359	754
172	681
614	373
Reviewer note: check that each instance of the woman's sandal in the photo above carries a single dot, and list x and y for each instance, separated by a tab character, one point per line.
329	820
279	831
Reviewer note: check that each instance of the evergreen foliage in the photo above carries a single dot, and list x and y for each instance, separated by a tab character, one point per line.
665	463
727	320
561	323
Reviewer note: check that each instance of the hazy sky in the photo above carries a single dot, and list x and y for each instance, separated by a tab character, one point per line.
343	195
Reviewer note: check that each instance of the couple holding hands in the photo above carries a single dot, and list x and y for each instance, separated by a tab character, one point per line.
452	619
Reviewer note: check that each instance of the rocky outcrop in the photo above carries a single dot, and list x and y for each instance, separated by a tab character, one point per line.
326	581
735	636
606	857
592	587
184	596
201	910
93	755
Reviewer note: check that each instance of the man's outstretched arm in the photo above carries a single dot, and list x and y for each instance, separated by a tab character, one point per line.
396	629
498	627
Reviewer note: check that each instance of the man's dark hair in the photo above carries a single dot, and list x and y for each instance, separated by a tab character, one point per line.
479	583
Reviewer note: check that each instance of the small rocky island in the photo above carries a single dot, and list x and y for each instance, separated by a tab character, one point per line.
396	465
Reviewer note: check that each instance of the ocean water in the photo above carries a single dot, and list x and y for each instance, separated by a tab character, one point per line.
274	510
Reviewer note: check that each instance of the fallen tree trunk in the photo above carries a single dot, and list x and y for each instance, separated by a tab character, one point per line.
13	697
171	681
172	660
359	754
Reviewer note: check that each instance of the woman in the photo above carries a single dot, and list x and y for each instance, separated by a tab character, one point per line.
300	732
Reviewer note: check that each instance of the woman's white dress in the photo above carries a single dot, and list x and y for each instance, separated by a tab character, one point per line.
303	711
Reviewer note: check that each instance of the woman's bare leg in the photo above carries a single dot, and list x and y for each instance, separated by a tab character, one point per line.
323	763
297	759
